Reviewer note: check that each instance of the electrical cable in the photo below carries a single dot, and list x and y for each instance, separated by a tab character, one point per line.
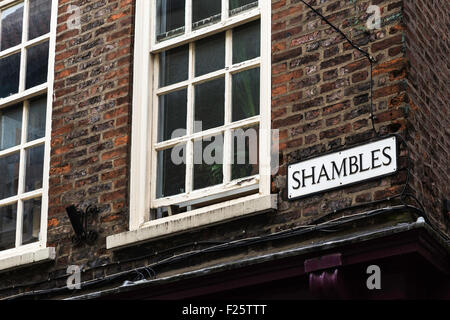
372	60
323	227
220	244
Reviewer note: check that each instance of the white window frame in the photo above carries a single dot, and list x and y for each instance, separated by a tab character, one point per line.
25	254
143	157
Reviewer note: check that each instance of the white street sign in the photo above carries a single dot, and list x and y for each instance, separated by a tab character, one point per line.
343	168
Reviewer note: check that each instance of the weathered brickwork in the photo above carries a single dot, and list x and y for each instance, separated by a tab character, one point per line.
91	121
90	132
320	103
321	92
427	49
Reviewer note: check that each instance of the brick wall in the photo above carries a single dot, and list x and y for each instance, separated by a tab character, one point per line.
321	93
427	49
91	122
320	103
90	136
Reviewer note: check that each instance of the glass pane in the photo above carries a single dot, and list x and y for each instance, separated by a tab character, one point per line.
12	21
210	54
170	18
245	94
9	171
246	42
10	126
208	162
34	168
31	220
237	6
8	216
245	152
209	105
205	12
9	75
171	174
174	66
37	65
36	118
172	115
39	21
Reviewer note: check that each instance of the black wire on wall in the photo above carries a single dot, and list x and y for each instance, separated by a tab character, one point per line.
404	194
217	246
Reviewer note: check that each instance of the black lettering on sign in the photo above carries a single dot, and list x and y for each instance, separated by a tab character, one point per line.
296	180
354	168
374	158
308	177
387	156
323	173
361	163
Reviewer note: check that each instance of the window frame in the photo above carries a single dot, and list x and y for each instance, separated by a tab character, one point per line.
144	119
24	96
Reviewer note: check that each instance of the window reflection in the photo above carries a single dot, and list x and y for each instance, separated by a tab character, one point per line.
9	77
37	65
208	162
39	20
31	220
11	27
210	54
34	168
36	118
205	12
210	104
172	115
10	126
238	6
171	17
174	65
171	175
246	42
8	216
9	171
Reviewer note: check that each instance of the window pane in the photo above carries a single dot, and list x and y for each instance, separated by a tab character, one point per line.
246	94
34	168
172	115
245	152
12	21
36	118
9	171
208	162
9	75
39	21
205	12
210	54
37	65
246	42
209	104
174	66
31	220
10	126
170	18
8	216
171	174
237	6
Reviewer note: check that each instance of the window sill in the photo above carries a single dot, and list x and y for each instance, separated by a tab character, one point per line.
195	219
27	258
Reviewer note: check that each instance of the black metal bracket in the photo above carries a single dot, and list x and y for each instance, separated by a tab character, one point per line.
79	221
